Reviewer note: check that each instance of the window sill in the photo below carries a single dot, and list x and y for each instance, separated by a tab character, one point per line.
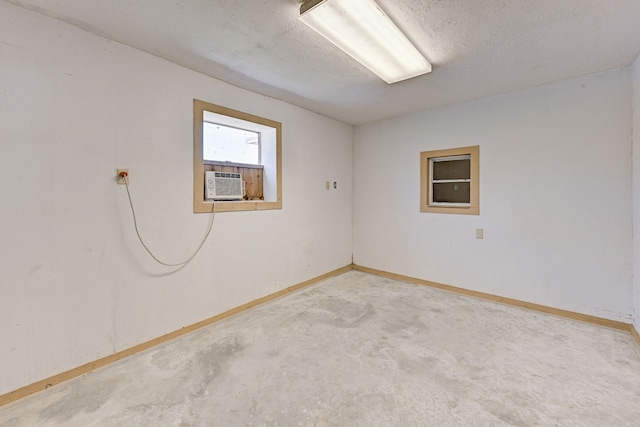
467	210
238	205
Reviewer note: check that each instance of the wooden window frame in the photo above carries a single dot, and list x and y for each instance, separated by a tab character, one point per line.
200	205
473	208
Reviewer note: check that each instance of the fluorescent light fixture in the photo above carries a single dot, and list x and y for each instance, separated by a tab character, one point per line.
362	30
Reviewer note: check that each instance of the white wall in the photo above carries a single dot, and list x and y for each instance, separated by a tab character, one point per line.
636	193
555	196
75	284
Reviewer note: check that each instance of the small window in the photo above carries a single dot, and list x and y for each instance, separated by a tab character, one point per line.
237	144
450	181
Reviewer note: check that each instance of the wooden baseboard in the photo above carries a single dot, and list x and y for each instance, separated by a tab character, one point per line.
517	303
91	366
635	334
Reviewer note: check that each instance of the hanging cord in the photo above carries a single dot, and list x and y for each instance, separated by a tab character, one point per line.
135	224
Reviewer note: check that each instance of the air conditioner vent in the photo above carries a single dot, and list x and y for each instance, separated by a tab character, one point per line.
223	185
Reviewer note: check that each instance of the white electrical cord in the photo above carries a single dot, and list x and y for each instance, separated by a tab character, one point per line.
135	224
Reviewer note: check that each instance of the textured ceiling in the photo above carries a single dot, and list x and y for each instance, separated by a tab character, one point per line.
478	48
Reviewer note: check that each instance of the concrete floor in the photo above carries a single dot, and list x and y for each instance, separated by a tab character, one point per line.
360	350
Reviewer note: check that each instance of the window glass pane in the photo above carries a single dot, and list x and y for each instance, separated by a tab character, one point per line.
228	144
452	192
452	169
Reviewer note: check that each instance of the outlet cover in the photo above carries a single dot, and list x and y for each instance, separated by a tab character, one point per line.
121	179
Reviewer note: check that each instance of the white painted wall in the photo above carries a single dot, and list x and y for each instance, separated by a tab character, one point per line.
555	196
636	192
75	284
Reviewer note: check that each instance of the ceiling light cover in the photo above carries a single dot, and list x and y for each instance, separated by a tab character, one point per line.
362	30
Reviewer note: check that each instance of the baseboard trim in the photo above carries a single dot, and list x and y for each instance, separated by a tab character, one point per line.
510	301
635	334
38	386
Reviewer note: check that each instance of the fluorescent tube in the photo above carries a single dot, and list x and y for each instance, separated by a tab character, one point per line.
362	30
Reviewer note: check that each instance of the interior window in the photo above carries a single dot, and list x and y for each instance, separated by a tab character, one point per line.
237	160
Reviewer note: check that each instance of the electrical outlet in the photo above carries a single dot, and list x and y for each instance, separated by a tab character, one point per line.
121	179
327	185
335	185
479	233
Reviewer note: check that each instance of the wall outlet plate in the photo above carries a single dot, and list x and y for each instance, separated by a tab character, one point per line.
120	179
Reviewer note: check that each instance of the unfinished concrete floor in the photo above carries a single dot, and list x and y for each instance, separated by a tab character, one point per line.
360	350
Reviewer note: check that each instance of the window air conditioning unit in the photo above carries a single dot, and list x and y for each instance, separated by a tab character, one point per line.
223	186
